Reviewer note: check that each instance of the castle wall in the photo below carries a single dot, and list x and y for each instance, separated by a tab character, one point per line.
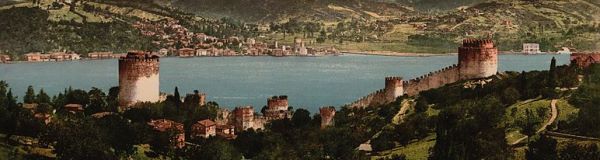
432	80
138	79
375	98
476	59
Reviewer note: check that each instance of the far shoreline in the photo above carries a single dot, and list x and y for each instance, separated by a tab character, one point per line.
395	54
409	54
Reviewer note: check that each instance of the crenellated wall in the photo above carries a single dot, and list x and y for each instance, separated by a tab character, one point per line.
375	98
477	58
432	80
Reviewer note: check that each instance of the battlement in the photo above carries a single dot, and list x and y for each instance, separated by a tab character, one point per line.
393	78
139	56
430	74
281	97
477	43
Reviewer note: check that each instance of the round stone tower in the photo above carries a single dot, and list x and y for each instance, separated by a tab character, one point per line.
138	79
393	88
477	58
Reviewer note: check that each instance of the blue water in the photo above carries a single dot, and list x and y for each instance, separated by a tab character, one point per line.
310	82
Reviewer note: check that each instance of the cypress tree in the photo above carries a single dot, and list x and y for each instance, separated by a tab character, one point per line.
29	95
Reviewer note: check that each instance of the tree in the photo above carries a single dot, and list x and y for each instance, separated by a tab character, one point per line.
422	105
112	99
77	97
552	75
29	95
301	118
42	97
214	149
542	149
97	102
530	125
163	142
574	151
477	123
250	143
77	139
119	134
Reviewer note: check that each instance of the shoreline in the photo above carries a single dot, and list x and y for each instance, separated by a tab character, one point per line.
407	54
395	54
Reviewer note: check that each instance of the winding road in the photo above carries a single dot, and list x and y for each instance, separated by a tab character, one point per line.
554	114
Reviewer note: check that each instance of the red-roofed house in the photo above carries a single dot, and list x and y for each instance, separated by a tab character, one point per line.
204	128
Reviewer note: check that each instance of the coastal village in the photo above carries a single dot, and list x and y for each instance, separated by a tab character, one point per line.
177	41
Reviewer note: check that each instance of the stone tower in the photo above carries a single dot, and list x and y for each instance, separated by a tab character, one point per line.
393	88
477	58
138	79
327	114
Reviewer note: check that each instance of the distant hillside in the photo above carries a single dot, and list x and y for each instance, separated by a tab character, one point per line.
275	10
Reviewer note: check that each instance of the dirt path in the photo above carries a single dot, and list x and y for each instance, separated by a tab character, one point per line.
554	114
399	117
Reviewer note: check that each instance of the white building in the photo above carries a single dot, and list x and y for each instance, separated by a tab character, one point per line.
531	48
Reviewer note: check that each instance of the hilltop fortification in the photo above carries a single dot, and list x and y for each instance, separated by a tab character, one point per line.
476	59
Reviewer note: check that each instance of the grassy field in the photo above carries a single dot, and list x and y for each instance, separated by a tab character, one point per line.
414	151
565	110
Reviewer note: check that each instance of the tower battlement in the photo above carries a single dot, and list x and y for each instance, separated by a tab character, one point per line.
477	43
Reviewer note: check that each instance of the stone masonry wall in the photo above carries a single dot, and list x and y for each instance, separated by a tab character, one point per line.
432	80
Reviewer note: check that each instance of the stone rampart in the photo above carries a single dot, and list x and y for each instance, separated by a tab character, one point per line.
432	80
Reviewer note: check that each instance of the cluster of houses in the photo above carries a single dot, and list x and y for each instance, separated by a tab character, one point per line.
53	56
5	58
242	118
212	47
178	41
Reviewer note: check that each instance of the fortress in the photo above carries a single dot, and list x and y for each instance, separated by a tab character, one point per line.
477	58
138	79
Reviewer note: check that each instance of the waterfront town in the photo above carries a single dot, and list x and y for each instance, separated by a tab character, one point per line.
179	42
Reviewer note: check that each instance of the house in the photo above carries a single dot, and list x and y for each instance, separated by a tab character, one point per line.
163	125
163	52
4	58
204	128
36	57
226	131
100	55
74	108
63	56
186	52
584	60
531	48
201	52
44	117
